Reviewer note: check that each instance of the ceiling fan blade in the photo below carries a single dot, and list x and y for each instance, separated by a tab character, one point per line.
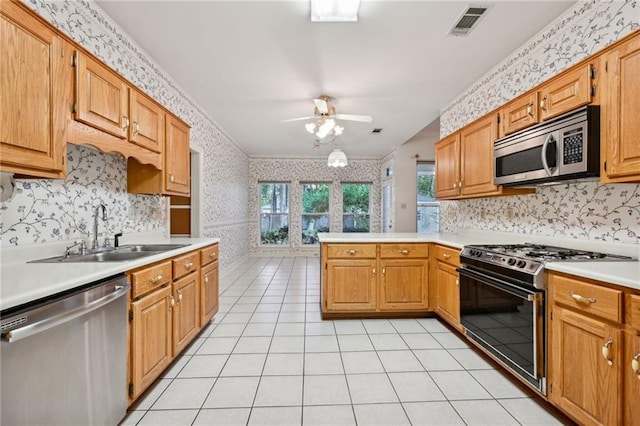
322	106
352	117
297	119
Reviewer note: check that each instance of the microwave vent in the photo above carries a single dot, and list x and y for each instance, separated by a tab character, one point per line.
467	21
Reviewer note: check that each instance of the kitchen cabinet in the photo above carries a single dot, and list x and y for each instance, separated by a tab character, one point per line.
209	276
631	366
563	93
35	82
620	145
175	177
151	326
464	163
374	279
447	259
186	292
147	121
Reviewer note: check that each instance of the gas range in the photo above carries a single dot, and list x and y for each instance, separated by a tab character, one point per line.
525	262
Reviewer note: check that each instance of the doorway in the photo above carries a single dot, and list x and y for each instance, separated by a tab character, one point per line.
387	194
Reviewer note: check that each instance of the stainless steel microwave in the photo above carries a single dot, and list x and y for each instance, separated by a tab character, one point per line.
563	148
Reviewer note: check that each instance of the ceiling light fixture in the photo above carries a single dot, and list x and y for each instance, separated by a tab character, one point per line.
337	158
323	127
334	10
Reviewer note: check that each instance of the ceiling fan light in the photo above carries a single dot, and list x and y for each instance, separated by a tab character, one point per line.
337	158
311	127
334	10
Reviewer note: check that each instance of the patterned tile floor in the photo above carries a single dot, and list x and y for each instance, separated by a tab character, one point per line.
267	358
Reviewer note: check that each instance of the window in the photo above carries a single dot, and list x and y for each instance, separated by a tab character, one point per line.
428	208
274	213
355	202
315	211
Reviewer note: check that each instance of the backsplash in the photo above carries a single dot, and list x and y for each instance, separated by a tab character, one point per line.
307	170
44	210
586	210
49	210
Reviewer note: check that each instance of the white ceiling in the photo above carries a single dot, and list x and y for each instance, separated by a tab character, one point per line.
251	64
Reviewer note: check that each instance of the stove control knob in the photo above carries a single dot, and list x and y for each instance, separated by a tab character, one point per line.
511	261
521	264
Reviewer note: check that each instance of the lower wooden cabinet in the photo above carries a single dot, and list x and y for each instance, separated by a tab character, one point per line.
351	285
631	367
151	347
208	292
403	284
186	314
448	293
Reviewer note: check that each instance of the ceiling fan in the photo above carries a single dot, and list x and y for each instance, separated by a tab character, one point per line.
324	118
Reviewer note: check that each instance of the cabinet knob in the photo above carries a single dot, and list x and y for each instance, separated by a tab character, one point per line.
171	179
446	255
351	252
188	265
579	298
212	255
455	185
635	364
405	251
606	352
206	279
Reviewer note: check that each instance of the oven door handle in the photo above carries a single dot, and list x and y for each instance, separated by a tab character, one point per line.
530	296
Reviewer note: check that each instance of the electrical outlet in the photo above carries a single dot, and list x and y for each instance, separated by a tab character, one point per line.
510	213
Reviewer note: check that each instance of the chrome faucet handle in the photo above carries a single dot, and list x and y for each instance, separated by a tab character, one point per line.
116	239
82	250
107	242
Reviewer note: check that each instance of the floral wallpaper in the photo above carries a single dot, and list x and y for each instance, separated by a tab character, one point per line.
49	210
297	171
585	210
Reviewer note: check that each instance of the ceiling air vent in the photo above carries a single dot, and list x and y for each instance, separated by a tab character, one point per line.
469	19
376	130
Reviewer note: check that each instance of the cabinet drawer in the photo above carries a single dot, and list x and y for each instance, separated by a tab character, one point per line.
448	255
145	280
588	298
186	264
404	250
351	250
208	254
634	307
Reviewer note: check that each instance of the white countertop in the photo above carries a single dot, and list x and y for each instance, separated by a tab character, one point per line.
626	274
22	282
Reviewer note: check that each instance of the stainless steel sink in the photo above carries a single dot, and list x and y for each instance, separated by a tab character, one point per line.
120	254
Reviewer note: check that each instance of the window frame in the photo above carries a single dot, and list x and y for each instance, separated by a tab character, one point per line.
434	203
367	214
261	213
303	214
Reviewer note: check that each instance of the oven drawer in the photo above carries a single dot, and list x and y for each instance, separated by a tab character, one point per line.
597	300
404	251
350	251
448	255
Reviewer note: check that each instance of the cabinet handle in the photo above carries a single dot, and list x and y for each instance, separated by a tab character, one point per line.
530	109
384	270
461	183
136	128
579	298
446	255
455	185
179	295
635	364
171	177
404	251
206	279
173	301
212	255
458	282
543	104
373	272
125	122
188	265
351	252
606	352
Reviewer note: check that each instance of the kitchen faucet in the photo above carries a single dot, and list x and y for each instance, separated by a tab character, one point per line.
96	212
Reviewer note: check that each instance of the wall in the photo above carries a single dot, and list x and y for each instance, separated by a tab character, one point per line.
51	210
586	210
296	171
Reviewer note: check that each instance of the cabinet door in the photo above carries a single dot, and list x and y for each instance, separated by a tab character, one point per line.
101	97
565	93
351	285
35	82
632	381
209	293
448	166
584	383
147	122
403	284
448	293
186	314
621	103
476	157
521	113
150	339
177	157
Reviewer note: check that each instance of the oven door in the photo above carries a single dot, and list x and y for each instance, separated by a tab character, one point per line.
506	320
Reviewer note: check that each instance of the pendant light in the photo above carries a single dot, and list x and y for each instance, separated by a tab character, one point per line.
337	158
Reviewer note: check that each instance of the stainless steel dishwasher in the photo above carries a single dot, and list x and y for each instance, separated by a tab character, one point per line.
64	360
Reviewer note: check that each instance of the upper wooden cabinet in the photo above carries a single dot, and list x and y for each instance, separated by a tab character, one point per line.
464	163
563	93
620	145
177	157
35	83
146	122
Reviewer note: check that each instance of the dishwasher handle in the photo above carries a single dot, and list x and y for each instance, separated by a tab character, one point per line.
64	316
